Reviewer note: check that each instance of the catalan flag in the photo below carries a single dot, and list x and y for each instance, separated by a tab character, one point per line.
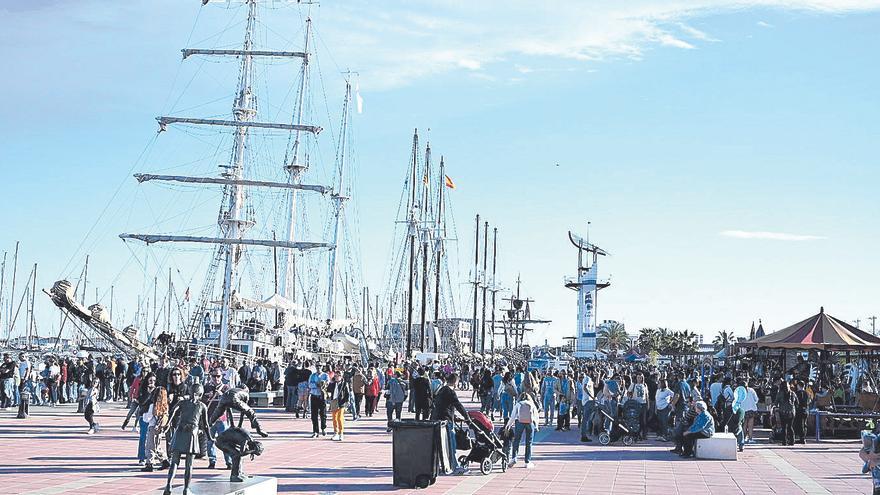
449	183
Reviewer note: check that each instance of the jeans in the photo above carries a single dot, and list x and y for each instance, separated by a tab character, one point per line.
393	409
549	409
218	428
8	392
735	426
587	419
800	425
450	432
518	430
319	412
357	404
292	396
143	426
506	406
663	422
72	395
787	428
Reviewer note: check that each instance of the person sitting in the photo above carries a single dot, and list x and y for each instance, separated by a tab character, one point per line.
703	427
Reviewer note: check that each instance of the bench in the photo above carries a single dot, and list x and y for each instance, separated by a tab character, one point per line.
722	446
262	399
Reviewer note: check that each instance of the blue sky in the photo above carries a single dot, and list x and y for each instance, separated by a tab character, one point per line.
724	151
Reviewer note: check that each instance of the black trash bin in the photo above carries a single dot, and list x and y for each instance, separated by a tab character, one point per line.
416	452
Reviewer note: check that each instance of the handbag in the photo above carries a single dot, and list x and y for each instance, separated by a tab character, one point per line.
334	405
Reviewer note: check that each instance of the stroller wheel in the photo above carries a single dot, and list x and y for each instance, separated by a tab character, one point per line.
604	438
463	460
486	466
504	464
628	440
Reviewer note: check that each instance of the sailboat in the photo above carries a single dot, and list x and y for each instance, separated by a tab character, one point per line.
419	304
241	311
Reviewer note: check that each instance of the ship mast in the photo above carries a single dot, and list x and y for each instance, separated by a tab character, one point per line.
339	198
295	171
231	221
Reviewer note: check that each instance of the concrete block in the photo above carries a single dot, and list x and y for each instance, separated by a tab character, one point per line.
722	446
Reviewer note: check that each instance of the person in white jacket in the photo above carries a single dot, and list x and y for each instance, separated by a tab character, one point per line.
524	419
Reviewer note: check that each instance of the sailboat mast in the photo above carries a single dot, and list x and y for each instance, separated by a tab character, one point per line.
295	171
339	198
438	248
2	287
494	287
233	224
33	325
425	232
12	291
485	270
168	310
85	281
476	285
412	243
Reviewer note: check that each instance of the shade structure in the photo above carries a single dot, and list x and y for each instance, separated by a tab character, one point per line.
820	331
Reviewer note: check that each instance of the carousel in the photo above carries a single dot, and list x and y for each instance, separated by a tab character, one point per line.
838	361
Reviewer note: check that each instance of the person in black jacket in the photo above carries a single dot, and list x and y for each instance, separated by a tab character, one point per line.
421	393
787	402
446	403
800	414
340	393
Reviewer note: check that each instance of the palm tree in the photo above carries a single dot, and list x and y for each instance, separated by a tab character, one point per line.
723	340
613	336
649	340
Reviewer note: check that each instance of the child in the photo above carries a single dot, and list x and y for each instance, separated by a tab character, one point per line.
563	419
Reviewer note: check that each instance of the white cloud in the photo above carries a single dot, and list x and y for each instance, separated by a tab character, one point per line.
764	24
411	39
770	236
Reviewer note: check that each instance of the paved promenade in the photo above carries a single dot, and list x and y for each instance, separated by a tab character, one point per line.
49	453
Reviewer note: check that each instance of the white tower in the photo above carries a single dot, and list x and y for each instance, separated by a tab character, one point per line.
587	285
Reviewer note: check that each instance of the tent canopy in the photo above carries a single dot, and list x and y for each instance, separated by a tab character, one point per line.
820	331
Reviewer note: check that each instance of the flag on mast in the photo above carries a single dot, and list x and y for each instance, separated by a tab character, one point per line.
449	183
186	295
358	99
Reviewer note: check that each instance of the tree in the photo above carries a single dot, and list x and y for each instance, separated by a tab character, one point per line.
723	340
613	336
649	340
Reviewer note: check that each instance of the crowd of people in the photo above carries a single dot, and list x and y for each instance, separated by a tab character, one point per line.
678	404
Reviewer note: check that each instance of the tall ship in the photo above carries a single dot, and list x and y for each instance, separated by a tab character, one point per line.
280	269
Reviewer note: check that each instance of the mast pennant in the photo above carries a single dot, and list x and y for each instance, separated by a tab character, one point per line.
449	183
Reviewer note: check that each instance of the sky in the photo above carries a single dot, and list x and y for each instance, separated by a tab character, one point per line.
723	151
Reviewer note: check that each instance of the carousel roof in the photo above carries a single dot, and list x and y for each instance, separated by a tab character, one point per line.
820	331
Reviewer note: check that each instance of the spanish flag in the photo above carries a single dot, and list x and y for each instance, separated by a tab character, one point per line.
449	183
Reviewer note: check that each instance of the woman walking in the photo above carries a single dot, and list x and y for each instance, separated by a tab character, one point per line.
90	405
523	421
371	392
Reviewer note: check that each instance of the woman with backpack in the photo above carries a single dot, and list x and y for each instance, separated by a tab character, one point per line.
523	421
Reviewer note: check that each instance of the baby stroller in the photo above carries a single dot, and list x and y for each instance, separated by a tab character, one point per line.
631	417
486	449
618	429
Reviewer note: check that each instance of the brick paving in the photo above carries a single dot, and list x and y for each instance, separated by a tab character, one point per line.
49	453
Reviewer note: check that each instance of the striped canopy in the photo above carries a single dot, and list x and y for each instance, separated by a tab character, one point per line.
820	331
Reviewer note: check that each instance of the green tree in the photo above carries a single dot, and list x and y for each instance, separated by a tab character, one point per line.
613	336
723	340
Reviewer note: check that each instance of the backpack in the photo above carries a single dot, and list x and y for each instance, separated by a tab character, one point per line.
526	413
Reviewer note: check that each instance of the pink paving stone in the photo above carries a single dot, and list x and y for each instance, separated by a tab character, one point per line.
56	451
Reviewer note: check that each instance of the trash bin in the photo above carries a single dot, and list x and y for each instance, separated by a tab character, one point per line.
416	452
